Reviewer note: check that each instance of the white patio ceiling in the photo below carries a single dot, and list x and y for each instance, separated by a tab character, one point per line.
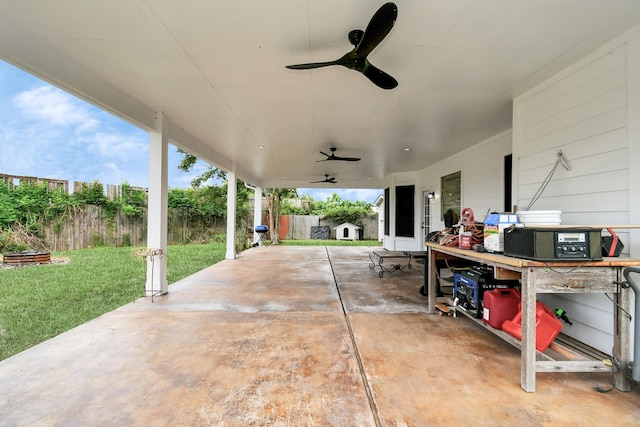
217	71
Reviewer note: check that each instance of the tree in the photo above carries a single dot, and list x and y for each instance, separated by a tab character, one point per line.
274	195
274	199
213	198
343	210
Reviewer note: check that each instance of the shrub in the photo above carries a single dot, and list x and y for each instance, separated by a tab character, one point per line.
17	238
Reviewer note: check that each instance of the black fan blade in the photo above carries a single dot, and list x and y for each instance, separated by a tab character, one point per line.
334	157
379	77
380	25
346	159
324	160
311	65
331	180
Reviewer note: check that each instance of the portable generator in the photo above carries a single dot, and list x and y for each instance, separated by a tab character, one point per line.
469	285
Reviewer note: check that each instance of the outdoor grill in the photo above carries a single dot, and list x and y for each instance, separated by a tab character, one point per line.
262	231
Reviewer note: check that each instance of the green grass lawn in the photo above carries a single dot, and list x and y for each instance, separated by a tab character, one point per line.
40	302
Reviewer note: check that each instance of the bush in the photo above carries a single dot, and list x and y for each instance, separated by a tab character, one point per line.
17	238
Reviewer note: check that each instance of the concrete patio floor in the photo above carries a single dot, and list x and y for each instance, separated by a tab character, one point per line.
263	341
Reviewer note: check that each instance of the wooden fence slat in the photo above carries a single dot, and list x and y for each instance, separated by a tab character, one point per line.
90	225
300	226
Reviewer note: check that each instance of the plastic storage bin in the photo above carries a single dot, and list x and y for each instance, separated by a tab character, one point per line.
500	305
547	326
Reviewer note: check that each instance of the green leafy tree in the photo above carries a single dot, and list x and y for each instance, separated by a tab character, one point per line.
90	194
29	204
8	212
343	210
274	195
211	199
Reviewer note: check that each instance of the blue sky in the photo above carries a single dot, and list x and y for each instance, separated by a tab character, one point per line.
48	133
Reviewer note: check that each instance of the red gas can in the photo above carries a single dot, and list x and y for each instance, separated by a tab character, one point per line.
499	305
547	326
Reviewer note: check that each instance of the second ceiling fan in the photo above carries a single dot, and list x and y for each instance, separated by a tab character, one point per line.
333	156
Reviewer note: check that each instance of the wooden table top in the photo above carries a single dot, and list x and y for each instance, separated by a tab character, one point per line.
521	262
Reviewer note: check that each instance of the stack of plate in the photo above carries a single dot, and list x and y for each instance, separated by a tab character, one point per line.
533	218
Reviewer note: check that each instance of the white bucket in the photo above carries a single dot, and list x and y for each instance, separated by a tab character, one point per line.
529	218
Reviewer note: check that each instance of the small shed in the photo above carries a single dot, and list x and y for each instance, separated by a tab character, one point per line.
347	231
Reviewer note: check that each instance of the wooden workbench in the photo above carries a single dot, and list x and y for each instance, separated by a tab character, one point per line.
551	277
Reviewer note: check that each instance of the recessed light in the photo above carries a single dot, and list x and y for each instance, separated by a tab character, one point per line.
261	146
407	149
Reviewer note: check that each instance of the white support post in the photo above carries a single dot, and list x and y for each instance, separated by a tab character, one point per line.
257	212
157	283
231	214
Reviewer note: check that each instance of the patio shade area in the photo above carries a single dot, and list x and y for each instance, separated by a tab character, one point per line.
293	336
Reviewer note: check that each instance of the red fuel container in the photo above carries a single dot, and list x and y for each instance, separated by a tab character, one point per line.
499	305
547	326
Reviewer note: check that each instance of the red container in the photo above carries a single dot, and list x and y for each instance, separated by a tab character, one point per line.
499	305
464	240
547	326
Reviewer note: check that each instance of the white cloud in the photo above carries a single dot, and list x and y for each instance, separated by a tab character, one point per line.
117	145
54	106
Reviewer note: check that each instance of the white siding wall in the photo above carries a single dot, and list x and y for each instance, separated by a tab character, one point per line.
482	170
590	112
482	175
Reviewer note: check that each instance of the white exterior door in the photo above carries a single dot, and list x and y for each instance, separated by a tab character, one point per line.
427	197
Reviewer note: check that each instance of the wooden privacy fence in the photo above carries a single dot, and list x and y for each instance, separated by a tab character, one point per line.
90	225
16	180
111	192
298	227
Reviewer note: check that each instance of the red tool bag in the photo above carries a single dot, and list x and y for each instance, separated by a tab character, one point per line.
611	245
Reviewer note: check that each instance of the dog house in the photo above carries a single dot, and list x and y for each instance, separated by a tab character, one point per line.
347	231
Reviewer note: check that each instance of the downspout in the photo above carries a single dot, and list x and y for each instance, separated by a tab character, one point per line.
635	372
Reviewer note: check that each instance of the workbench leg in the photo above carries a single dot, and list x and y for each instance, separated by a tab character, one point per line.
430	268
528	349
622	334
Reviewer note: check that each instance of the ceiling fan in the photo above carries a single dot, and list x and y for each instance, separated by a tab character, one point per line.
365	41
331	180
334	157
